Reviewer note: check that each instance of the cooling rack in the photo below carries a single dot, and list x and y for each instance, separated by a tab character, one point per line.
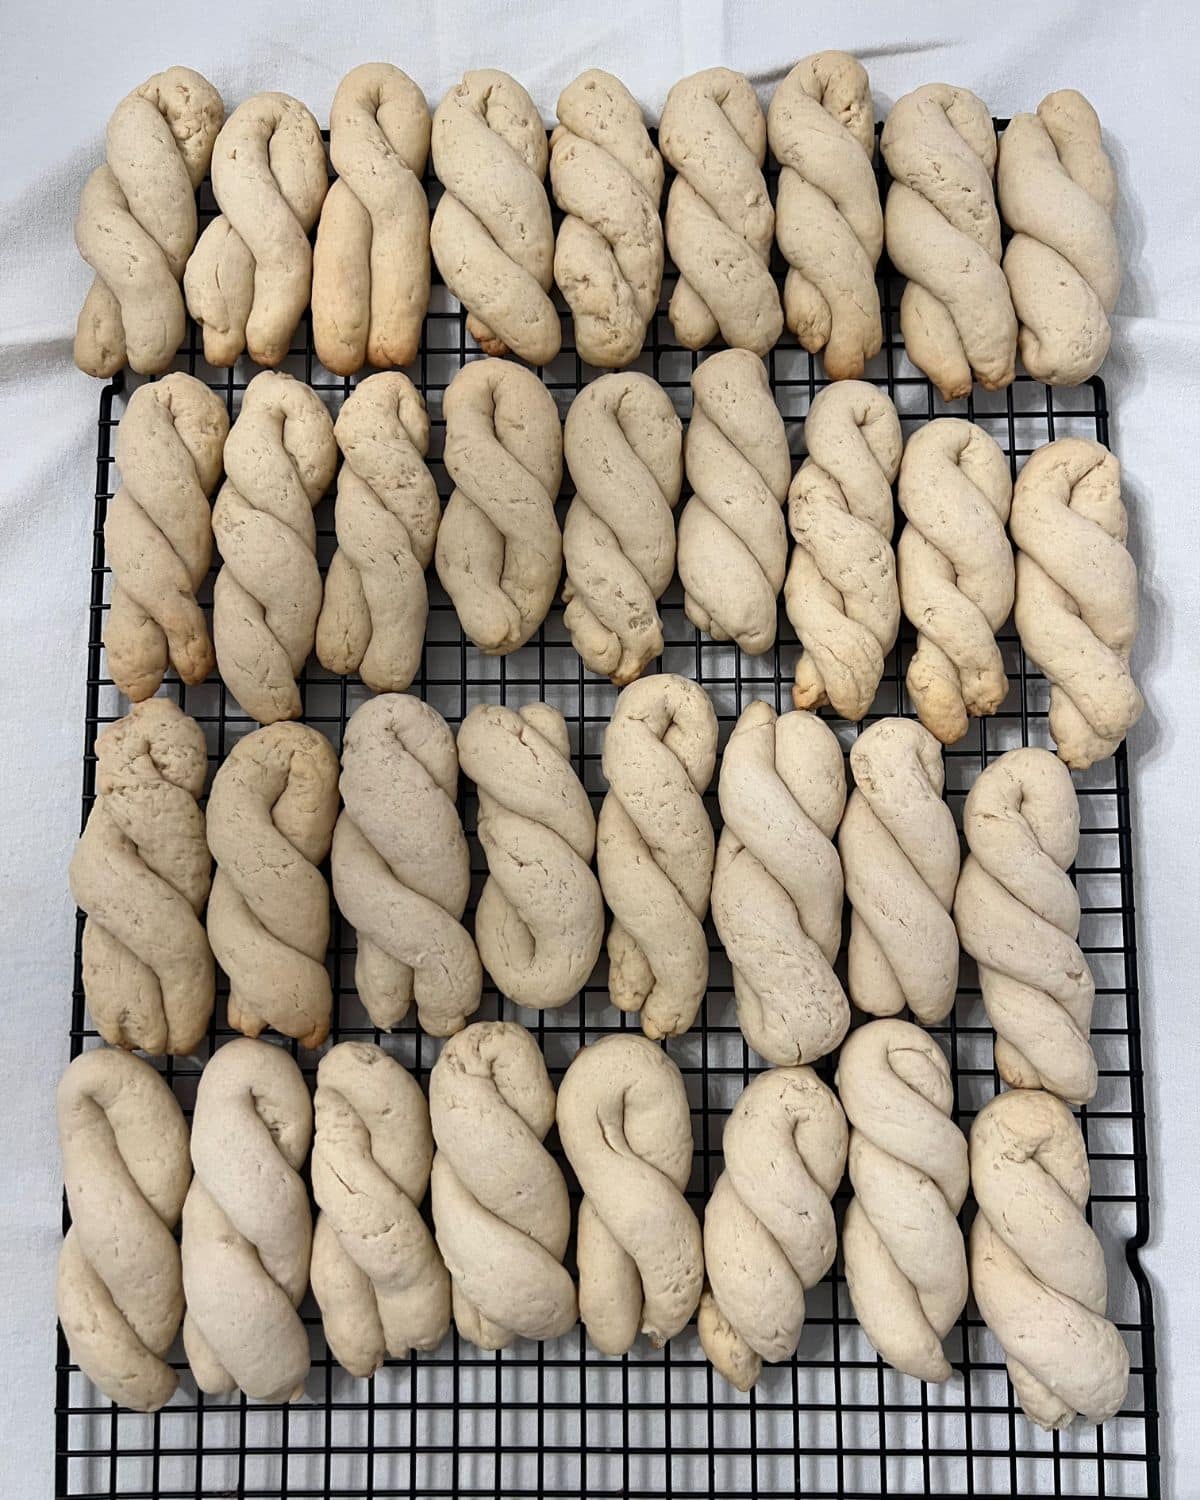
561	1420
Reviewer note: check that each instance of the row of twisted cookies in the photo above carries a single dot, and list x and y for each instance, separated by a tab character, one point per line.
386	1286
249	277
499	552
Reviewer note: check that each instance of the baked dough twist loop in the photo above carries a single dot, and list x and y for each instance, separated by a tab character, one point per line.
377	1274
500	1205
719	217
956	572
1037	1268
137	223
623	443
279	461
401	870
126	1167
943	233
777	886
654	848
841	591
769	1230
376	603
249	278
247	1229
906	1266
370	280
270	821
141	873
1077	602
624	1123
828	221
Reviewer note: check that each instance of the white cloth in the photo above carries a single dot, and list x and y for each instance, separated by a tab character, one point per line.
62	69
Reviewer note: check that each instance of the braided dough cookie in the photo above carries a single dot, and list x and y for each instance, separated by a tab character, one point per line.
777	885
624	1122
401	871
732	534
500	1204
247	1230
370	278
943	233
539	920
491	233
376	1273
126	1167
141	873
499	549
158	533
279	461
1017	914
841	591
906	1268
1037	1268
956	572
1077	604
719	217
387	513
137	223
270	821
654	849
899	850
607	179
623	443
249	278
828	221
769	1230
1058	192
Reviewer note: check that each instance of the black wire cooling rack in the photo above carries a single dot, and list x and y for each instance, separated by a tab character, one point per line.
561	1421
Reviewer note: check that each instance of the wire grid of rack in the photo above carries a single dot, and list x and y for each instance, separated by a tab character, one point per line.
561	1420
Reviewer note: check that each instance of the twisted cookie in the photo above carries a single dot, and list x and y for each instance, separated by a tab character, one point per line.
376	1273
655	850
841	591
624	1123
499	549
126	1168
1077	606
1058	191
270	819
943	233
828	220
373	618
769	1230
158	533
899	851
732	536
906	1268
141	873
956	572
279	461
370	277
250	275
500	1203
137	223
1018	916
607	179
777	886
401	871
719	216
491	233
623	445
540	918
247	1231
1037	1268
